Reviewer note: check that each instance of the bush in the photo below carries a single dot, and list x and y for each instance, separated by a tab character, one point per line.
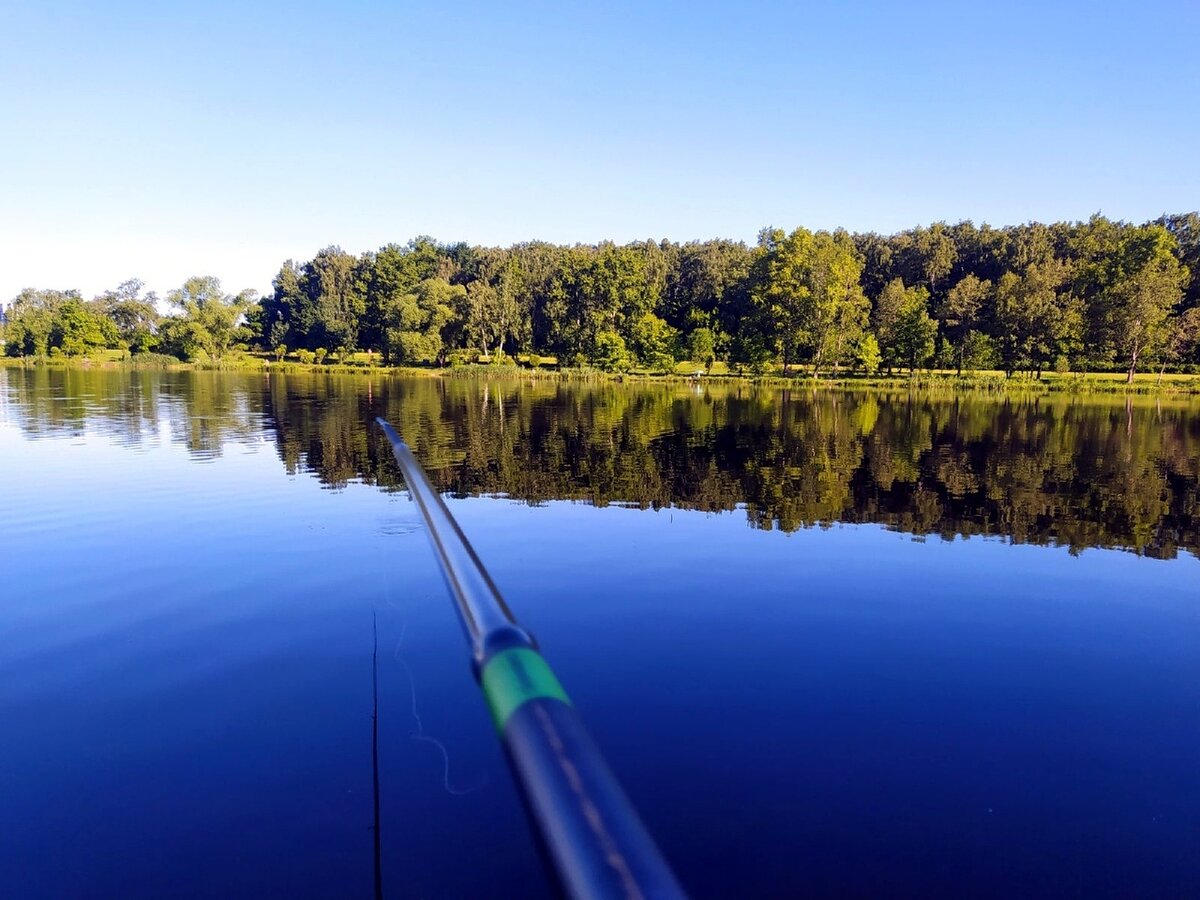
611	355
319	355
305	356
661	362
153	361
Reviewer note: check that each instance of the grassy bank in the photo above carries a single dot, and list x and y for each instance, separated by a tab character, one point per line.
685	373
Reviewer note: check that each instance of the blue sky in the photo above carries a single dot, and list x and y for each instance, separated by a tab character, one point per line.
164	140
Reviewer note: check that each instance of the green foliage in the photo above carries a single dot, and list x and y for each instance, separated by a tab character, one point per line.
135	317
979	351
915	330
1101	294
1038	317
421	326
702	346
1137	306
205	325
76	330
808	289
150	360
960	310
867	355
31	319
653	342
611	354
458	358
885	320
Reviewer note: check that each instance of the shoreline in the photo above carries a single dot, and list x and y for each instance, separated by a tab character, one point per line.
992	382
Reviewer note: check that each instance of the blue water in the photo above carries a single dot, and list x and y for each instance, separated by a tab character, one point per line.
848	710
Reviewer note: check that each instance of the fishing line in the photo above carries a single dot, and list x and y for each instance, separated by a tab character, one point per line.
420	735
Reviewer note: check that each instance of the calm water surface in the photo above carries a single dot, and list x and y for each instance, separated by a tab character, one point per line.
839	644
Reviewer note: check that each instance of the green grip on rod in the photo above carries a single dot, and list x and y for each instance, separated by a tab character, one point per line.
514	677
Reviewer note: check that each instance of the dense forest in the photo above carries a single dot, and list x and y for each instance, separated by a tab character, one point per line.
1083	296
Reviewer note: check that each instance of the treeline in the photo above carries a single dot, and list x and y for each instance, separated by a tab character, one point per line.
1095	295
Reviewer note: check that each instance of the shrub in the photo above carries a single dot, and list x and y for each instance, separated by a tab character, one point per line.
611	355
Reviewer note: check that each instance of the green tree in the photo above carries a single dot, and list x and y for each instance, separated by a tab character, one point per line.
915	330
1138	306
136	317
979	351
1183	337
809	286
702	345
937	254
781	291
334	281
867	354
206	319
392	274
31	318
653	342
959	311
419	324
707	287
885	320
1038	317
611	355
77	330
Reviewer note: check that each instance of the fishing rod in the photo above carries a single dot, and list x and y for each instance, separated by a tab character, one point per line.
593	837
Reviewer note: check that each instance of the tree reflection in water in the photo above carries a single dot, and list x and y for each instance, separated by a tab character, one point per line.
1081	472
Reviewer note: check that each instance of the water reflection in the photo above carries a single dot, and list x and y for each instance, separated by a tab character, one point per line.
1095	472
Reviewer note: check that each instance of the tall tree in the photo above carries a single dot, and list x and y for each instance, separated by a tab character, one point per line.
334	281
78	329
1138	305
206	319
1037	316
782	290
420	324
30	320
959	312
915	329
1185	228
135	316
1182	339
839	309
885	319
390	275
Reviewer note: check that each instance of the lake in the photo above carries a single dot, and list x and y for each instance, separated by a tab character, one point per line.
850	644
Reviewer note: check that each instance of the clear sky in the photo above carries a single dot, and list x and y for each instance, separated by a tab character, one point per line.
161	140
